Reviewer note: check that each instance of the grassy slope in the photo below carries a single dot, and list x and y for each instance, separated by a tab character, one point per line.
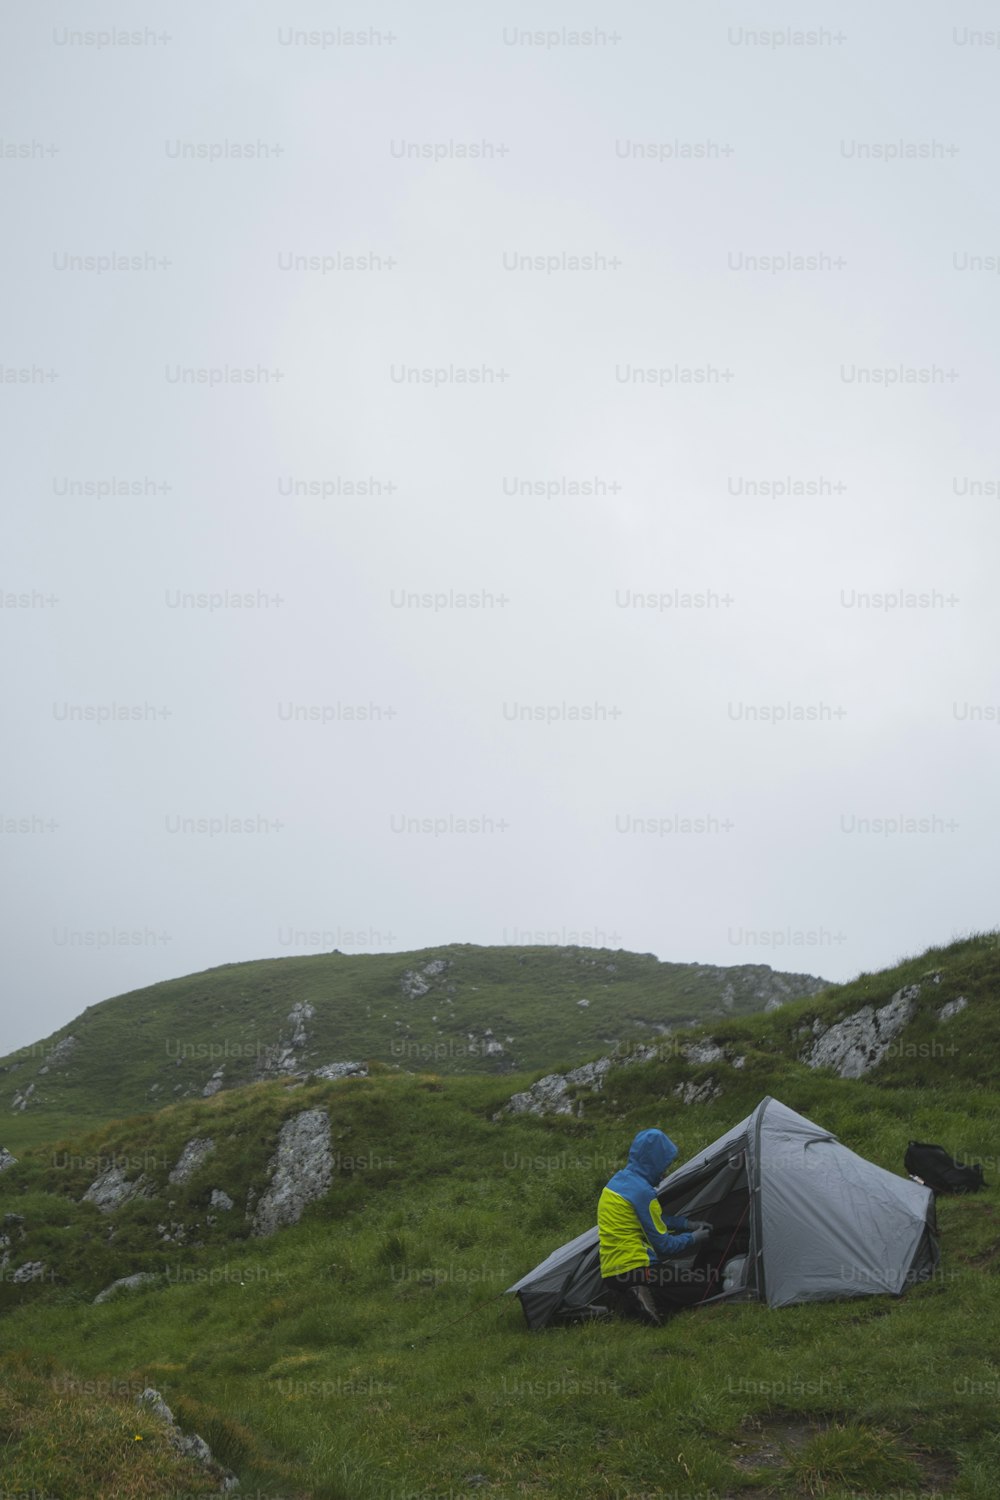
366	1354
162	1043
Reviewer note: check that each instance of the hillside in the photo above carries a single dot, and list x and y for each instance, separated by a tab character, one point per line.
456	1009
366	1352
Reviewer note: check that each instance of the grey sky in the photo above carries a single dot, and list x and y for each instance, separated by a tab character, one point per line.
681	146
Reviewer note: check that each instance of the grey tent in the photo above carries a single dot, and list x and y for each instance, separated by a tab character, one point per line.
795	1215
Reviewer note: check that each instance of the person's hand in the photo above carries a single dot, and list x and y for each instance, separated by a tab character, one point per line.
699	1236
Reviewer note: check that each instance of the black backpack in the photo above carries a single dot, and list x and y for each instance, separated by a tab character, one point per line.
939	1171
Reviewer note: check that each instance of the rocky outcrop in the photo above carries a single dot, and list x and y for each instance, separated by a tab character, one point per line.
551	1096
301	1171
414	986
415	983
221	1200
112	1189
6	1160
283	1057
759	984
189	1445
703	1052
126	1284
32	1270
191	1158
60	1054
859	1042
697	1093
22	1099
299	1014
336	1070
953	1008
215	1083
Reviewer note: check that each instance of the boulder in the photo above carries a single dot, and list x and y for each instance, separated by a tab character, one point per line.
301	1171
32	1270
858	1043
414	986
126	1284
952	1008
221	1200
60	1054
550	1095
703	1052
112	1189
697	1093
336	1070
6	1160
195	1152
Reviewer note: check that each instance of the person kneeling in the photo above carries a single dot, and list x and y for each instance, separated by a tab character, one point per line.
635	1239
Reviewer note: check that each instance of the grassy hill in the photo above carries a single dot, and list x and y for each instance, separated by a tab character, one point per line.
368	1353
458	1009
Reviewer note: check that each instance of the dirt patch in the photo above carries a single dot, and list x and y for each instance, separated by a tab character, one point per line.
767	1443
771	1446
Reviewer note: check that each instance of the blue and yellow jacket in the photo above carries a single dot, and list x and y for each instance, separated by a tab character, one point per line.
632	1229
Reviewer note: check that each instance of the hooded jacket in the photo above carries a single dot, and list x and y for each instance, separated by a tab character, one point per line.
631	1226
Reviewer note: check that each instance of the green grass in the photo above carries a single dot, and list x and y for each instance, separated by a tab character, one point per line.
149	1048
369	1352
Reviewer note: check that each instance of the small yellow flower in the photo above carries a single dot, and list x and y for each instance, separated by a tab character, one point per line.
138	1437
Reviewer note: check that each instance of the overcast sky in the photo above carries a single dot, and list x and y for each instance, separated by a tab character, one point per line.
615	494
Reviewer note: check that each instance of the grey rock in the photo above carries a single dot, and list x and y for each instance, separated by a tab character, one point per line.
545	1097
62	1052
6	1160
336	1070
739	1062
436	966
32	1270
126	1284
195	1152
414	986
301	1171
697	1093
20	1101
583	1004
299	1015
193	1446
703	1052
282	1057
643	1052
858	1043
112	1189
155	1405
550	1095
215	1083
190	1445
952	1008
221	1200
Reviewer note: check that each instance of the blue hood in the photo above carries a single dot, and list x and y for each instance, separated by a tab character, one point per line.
651	1154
